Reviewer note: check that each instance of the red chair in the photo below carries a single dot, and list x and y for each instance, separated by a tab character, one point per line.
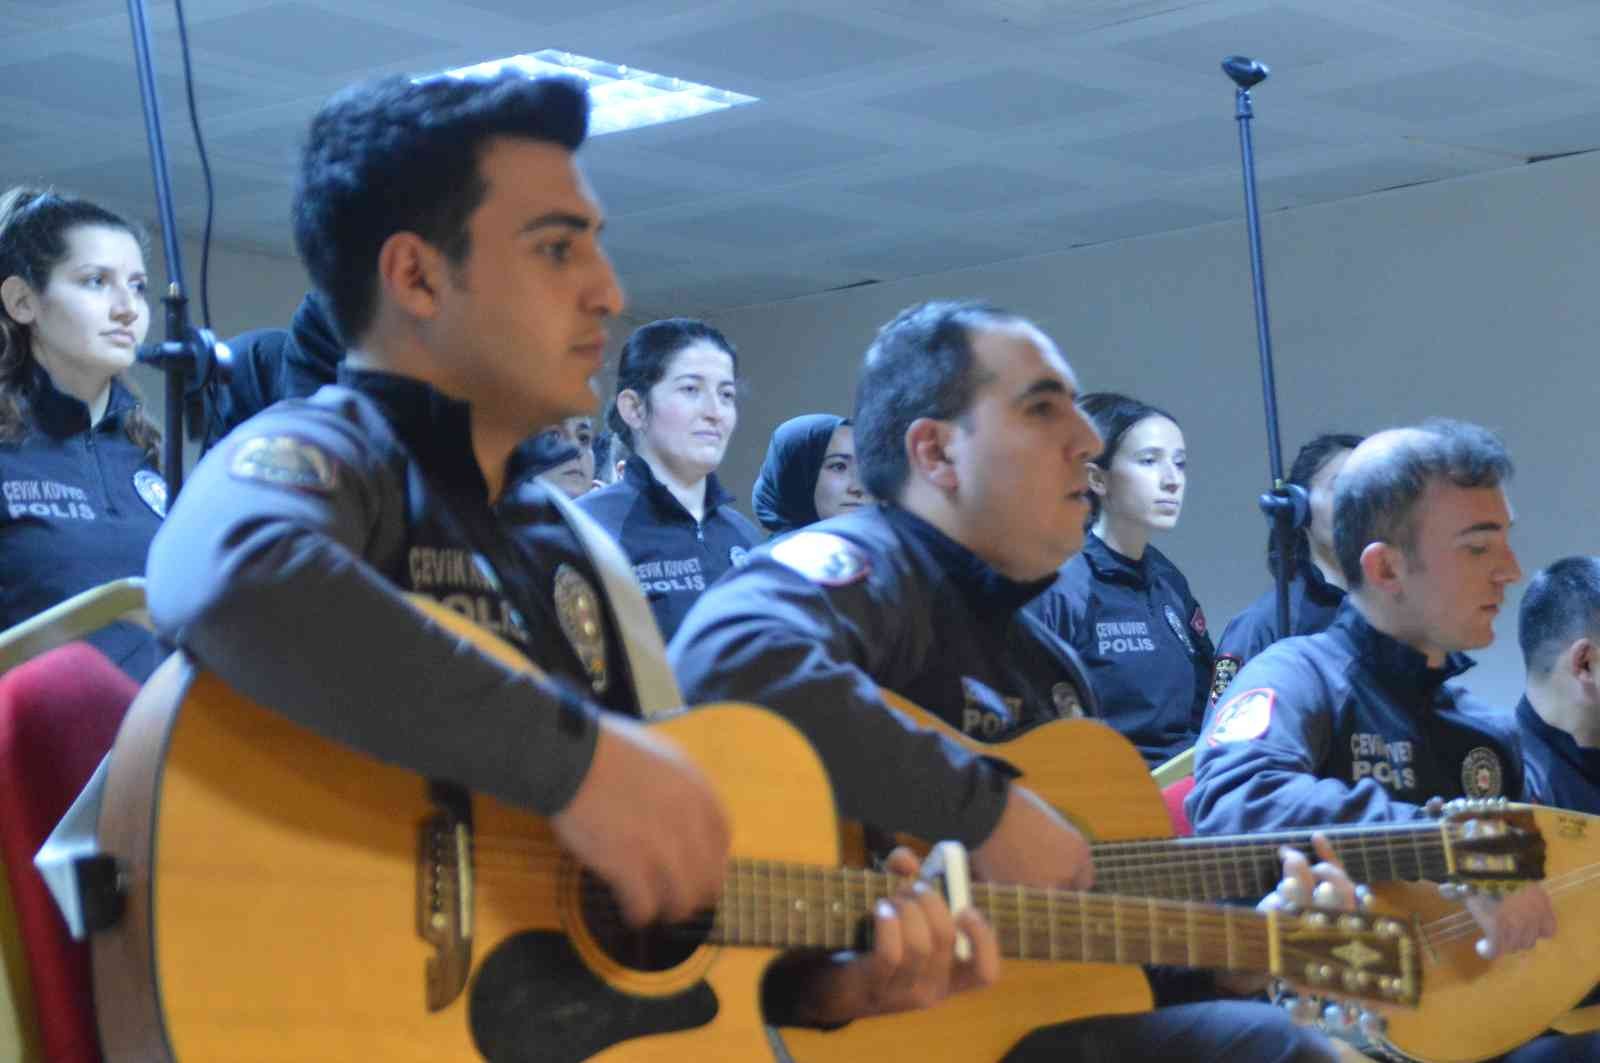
1173	794
58	715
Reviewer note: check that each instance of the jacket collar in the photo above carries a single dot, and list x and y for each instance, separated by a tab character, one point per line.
1112	567
60	415
435	428
637	473
1396	665
985	589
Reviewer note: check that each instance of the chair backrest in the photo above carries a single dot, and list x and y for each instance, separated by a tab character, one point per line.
1173	794
58	716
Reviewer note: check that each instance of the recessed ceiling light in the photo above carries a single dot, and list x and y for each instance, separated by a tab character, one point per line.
621	97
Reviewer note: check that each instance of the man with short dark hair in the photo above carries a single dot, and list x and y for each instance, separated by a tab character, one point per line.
967	433
457	243
1559	715
1357	724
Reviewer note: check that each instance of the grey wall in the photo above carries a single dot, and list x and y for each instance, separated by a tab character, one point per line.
1469	298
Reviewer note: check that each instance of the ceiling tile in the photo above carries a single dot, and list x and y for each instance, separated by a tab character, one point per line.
310	40
934	254
1285	39
999	100
1197	144
787	46
1120	222
773	148
766	228
966	188
110	95
1452	92
1353	179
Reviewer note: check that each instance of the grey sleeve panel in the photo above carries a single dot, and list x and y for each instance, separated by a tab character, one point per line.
275	589
767	635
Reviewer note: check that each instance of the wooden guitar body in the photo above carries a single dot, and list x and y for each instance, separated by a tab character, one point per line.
287	900
1474	1009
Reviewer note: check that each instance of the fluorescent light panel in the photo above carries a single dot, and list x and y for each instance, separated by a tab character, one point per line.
621	97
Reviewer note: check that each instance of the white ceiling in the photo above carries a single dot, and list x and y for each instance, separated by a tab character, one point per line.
894	137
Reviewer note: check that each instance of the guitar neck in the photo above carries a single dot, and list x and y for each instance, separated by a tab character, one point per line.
1249	865
774	905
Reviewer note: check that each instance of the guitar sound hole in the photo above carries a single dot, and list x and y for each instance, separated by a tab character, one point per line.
659	947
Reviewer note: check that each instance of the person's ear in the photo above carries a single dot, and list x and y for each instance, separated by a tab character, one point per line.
927	445
630	406
22	306
1097	480
1581	661
1383	567
411	273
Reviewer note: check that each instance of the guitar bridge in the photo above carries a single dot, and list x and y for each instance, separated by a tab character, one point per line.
444	895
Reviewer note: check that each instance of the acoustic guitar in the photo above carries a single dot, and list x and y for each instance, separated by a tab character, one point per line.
1474	1009
287	898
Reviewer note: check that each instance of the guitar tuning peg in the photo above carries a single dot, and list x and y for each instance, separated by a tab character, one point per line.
1363	899
1454	891
1302	1011
1334	1019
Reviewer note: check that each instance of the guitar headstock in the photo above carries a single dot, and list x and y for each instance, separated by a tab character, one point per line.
1492	845
1352	956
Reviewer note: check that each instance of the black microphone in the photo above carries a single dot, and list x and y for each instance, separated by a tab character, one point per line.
1244	71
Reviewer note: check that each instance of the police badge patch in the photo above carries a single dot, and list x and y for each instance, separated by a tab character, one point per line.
285	461
1065	697
582	621
1175	622
152	489
1481	773
822	557
1245	717
1222	673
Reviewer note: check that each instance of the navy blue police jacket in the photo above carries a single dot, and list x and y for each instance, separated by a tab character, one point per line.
81	504
1560	772
819	622
675	557
1313	603
284	562
1348	726
1142	637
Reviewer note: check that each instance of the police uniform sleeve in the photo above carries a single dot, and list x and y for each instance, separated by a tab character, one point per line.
261	571
1262	756
818	656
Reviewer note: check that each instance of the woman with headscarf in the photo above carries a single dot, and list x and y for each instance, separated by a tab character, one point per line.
809	474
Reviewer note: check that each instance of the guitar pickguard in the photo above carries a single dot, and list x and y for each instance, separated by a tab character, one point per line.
534	1001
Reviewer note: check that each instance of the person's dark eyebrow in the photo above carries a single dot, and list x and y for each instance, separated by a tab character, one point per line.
1482	526
562	219
1042	386
837	454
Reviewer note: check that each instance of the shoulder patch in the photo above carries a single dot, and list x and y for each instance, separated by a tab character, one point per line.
152	490
1244	717
285	461
822	557
1222	673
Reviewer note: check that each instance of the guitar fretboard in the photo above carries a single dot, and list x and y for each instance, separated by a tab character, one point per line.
1216	868
785	906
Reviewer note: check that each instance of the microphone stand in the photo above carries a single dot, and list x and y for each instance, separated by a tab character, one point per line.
191	358
1286	506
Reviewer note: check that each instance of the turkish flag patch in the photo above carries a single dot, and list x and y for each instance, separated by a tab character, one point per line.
1245	716
1198	621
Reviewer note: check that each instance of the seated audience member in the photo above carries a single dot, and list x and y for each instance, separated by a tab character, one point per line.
78	457
1121	603
270	364
411	199
1558	718
809	474
968	436
562	457
1359	724
675	409
1317	587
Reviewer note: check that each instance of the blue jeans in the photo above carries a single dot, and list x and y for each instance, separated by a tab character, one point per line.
1228	1031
